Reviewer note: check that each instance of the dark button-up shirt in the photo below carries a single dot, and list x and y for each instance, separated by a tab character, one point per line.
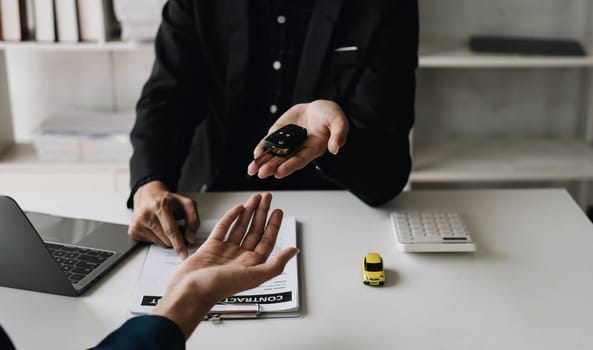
277	35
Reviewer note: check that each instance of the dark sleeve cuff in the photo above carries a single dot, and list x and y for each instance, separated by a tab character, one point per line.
140	183
145	332
5	342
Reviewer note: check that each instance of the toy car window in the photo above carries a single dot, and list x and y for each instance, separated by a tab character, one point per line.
373	267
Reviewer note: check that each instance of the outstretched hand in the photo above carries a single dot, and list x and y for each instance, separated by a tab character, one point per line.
232	259
327	130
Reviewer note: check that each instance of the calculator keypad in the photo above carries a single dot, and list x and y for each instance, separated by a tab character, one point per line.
441	228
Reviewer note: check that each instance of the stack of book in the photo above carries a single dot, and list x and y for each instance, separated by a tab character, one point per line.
58	20
85	136
139	19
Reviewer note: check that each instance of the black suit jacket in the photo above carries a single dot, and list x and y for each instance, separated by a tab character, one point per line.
143	332
198	86
148	332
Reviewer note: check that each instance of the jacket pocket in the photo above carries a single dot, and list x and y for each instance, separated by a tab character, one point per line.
343	57
340	73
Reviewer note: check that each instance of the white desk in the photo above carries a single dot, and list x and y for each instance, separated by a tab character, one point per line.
529	286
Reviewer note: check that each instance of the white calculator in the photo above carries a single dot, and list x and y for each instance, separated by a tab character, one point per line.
422	231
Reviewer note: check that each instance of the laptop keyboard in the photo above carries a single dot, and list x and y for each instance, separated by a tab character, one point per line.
77	262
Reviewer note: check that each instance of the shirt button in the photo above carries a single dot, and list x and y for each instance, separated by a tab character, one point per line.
281	19
276	65
273	109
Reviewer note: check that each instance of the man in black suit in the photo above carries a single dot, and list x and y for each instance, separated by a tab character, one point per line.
227	72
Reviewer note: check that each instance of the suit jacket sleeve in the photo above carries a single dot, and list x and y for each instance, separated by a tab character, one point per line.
173	101
375	162
5	342
145	332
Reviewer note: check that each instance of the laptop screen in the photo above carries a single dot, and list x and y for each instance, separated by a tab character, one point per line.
62	230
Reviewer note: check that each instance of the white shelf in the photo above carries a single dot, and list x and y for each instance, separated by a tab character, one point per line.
435	162
23	156
502	161
459	56
77	46
430	56
22	171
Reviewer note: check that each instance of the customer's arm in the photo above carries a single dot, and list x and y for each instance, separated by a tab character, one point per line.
233	259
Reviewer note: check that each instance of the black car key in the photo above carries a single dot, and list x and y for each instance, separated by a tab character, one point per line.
284	141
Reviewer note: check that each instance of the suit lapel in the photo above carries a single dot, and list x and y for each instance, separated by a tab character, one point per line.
323	21
238	46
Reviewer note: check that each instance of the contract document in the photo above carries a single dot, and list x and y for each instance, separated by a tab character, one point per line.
278	297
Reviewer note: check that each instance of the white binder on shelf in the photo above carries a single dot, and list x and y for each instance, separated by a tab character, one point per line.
67	20
96	20
45	22
12	25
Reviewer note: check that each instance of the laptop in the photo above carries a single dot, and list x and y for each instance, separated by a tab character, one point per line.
54	254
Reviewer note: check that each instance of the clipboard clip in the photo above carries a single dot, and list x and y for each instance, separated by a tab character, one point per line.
233	311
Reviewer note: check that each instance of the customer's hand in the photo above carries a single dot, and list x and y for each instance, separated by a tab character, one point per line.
156	211
232	259
327	130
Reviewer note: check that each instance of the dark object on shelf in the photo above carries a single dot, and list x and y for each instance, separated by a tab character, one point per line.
526	46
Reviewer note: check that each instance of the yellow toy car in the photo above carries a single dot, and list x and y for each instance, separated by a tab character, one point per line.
372	270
